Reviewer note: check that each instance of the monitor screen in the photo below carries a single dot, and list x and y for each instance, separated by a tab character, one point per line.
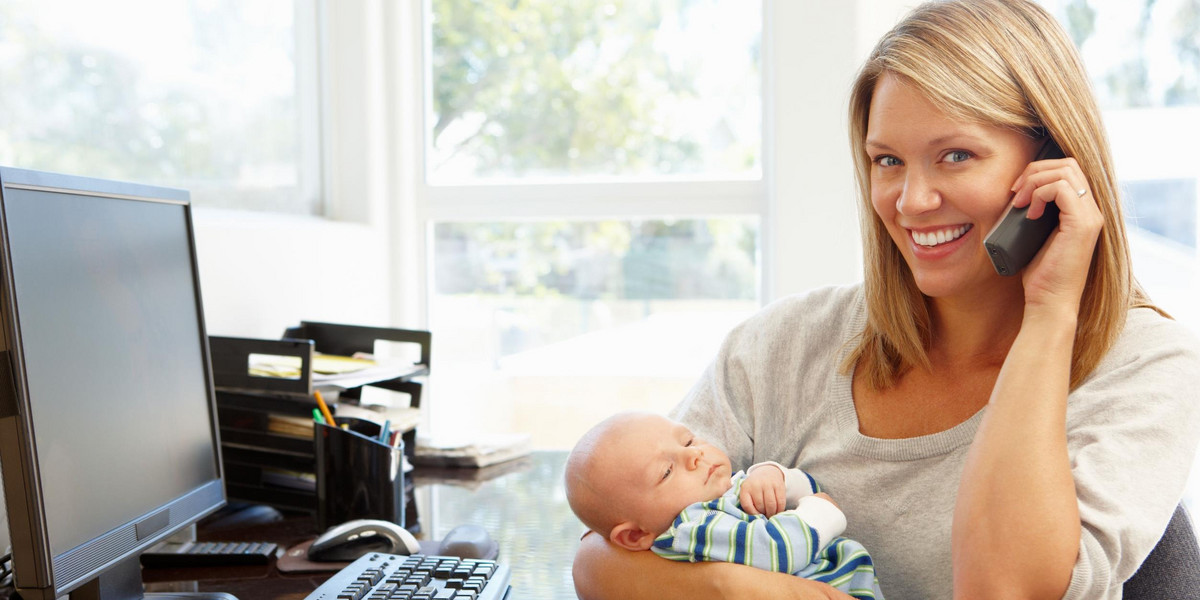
109	439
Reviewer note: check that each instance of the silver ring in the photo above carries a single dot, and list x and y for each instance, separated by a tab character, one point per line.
1081	192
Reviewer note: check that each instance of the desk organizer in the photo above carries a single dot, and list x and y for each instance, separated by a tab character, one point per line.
358	475
267	430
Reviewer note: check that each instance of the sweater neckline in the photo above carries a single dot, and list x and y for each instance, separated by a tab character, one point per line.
914	448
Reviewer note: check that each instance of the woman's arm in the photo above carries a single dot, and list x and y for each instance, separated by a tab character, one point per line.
604	571
1016	524
1016	521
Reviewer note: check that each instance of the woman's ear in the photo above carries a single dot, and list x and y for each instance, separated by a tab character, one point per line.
631	537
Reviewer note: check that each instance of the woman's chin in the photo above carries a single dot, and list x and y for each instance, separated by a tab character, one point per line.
959	284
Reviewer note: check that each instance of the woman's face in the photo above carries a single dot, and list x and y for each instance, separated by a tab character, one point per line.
939	185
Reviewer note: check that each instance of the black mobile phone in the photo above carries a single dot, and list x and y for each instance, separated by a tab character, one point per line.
1015	240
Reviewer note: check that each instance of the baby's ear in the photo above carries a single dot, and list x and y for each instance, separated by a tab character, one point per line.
631	537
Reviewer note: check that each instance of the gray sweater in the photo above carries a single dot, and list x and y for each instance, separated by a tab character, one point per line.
775	393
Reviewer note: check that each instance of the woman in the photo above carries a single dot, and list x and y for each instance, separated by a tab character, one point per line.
1026	436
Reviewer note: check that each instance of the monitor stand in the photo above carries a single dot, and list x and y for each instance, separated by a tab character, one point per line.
124	582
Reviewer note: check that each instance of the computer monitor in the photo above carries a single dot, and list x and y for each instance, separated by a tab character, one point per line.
108	431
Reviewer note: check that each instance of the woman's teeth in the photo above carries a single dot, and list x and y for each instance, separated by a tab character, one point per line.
933	238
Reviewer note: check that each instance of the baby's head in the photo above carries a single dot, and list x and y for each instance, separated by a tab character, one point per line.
632	474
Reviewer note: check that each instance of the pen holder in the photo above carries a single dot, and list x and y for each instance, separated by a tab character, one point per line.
358	476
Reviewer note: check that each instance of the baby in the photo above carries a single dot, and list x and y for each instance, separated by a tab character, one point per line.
646	482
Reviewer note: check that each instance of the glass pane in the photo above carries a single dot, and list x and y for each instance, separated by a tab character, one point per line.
195	94
1143	57
594	88
1139	53
546	327
1164	207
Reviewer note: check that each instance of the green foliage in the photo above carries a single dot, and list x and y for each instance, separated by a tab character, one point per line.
78	107
1129	84
543	87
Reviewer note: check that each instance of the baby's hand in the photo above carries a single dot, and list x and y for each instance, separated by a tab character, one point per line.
764	492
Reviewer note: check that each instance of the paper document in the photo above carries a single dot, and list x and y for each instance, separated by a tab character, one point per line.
472	451
331	371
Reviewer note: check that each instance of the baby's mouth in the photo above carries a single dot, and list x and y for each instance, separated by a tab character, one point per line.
711	470
936	237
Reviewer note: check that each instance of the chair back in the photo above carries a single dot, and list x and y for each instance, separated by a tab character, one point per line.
1173	568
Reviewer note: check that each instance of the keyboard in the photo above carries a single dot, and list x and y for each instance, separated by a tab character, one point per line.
173	555
377	576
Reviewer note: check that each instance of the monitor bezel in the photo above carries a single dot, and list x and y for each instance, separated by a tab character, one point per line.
36	571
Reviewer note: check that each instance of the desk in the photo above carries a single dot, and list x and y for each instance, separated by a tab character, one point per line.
522	504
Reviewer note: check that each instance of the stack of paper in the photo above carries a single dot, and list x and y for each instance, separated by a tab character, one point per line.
473	451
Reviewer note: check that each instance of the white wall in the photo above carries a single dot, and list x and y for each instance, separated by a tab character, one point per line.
260	274
811	237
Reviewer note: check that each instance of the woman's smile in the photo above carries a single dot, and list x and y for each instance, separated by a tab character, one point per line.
933	237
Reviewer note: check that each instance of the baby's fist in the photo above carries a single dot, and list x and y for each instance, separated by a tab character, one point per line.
764	492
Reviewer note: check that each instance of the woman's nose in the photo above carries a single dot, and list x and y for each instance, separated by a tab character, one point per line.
918	195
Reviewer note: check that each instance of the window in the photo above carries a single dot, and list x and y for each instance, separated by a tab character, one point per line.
214	96
594	192
1144	61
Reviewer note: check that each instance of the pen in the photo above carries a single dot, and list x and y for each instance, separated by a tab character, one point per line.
317	416
324	408
385	431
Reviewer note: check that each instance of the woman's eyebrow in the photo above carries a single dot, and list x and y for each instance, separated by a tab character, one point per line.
877	145
956	136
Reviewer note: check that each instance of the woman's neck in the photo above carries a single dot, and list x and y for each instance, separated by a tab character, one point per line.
976	331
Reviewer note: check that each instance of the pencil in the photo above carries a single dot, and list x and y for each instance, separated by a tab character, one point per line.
324	409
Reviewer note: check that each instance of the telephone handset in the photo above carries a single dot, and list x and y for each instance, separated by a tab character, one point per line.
1015	240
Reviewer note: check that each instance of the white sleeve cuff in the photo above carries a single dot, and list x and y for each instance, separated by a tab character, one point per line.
822	515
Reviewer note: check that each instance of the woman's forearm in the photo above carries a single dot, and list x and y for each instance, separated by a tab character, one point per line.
1016	521
603	571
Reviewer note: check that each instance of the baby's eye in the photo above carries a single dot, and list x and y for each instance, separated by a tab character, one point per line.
690	442
955	156
886	160
667	474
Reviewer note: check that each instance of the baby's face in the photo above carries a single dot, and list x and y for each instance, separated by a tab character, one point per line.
662	468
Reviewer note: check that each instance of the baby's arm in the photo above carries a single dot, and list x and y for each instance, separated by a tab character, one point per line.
786	542
770	488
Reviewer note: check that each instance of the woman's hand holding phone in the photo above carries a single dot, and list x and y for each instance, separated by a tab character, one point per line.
1055	278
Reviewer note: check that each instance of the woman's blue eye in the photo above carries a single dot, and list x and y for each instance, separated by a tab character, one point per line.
887	161
958	156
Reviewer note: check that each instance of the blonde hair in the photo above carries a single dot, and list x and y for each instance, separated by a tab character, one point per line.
1004	63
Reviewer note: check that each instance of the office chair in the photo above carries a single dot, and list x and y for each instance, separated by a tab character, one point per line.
1173	568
